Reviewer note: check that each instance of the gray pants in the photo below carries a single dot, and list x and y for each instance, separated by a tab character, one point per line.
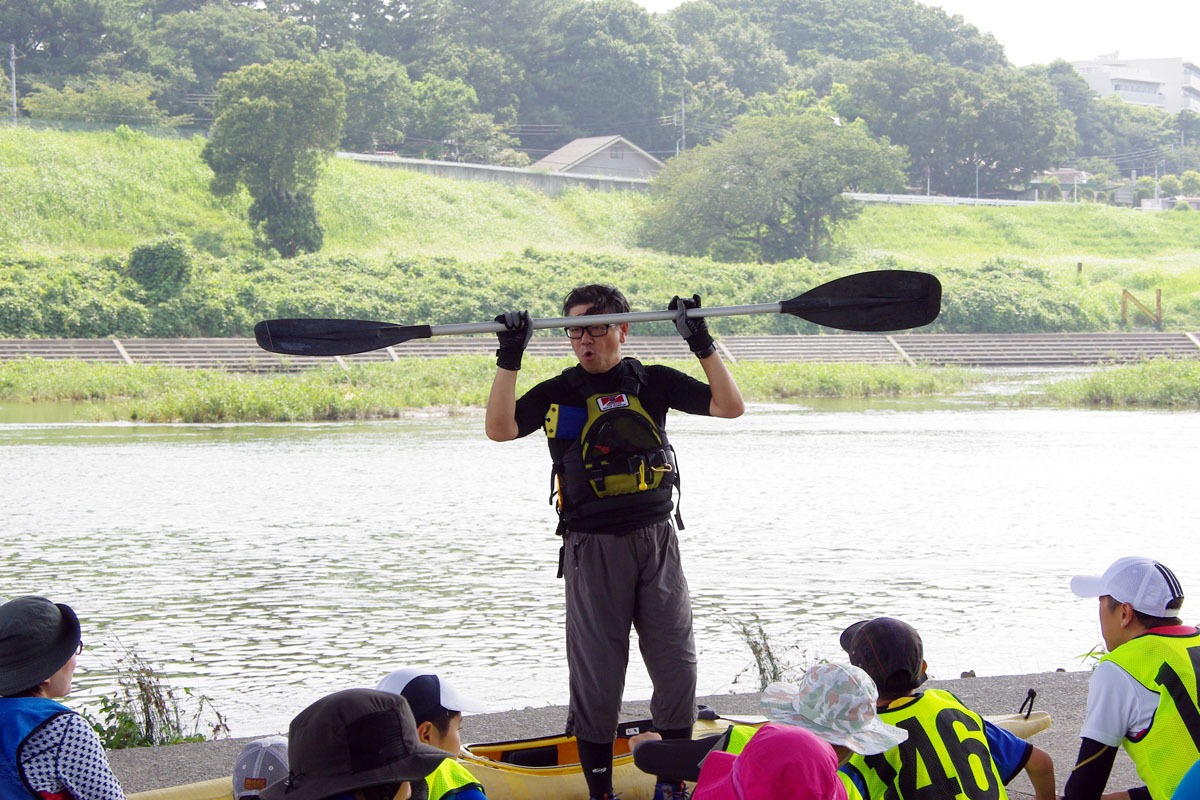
613	582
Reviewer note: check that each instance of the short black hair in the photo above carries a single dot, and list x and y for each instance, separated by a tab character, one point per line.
1146	620
442	719
602	298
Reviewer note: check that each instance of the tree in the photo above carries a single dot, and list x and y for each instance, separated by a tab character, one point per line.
59	38
1191	183
1169	186
771	190
275	126
1130	135
723	46
100	100
1001	125
863	29
192	50
441	106
606	72
379	98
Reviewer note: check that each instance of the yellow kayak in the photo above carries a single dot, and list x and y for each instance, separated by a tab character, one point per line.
547	767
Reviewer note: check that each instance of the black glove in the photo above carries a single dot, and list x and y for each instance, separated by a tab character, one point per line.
513	340
695	330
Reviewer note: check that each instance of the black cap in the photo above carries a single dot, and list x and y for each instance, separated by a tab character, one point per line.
888	650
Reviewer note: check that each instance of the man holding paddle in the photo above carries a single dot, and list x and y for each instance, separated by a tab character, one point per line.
614	473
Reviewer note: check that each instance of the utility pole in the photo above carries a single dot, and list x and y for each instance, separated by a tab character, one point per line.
682	123
12	77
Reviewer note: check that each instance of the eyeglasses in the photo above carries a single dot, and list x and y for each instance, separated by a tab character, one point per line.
594	331
79	650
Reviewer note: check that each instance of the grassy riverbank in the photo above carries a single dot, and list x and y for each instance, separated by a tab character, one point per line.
1163	383
167	394
457	384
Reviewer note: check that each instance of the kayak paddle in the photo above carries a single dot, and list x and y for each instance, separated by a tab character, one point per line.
884	300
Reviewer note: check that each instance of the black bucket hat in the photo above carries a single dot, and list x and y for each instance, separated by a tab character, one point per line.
37	638
887	649
351	740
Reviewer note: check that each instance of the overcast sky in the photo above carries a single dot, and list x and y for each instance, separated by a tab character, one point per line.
1039	31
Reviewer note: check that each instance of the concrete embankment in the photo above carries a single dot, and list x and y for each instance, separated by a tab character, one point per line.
1029	350
1062	694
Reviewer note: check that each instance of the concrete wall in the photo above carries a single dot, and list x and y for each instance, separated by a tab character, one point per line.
551	183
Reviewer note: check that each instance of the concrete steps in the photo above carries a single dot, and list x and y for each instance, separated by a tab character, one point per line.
982	350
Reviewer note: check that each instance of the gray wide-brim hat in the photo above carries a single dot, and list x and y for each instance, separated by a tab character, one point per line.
352	740
37	638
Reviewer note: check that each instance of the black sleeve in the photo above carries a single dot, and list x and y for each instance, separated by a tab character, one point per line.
680	757
1092	768
680	390
532	407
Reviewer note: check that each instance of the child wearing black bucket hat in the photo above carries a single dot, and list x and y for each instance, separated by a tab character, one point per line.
951	752
357	744
46	749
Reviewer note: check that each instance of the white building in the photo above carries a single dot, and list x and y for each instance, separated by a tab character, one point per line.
1171	84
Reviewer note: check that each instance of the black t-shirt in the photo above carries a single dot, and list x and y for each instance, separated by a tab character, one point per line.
664	389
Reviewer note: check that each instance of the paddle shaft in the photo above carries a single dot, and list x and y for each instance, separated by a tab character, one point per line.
799	304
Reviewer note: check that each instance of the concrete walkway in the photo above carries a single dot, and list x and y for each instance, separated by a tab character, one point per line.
1062	694
979	350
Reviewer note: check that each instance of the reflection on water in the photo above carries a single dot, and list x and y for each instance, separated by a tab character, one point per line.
266	565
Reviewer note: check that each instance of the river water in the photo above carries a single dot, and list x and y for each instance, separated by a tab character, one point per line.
267	565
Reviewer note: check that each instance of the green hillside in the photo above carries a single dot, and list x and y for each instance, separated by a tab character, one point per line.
412	247
102	193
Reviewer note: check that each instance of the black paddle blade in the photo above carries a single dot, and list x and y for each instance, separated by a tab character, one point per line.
886	300
332	337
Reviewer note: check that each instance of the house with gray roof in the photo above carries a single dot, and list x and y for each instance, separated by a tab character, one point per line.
610	156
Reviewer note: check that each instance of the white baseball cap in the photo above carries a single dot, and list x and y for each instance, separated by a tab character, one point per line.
427	693
1145	584
260	764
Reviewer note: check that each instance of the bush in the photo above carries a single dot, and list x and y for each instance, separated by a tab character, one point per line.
161	268
1051	190
146	712
1009	296
1181	207
1191	183
100	100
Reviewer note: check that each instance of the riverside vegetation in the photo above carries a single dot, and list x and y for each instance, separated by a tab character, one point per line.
366	391
454	384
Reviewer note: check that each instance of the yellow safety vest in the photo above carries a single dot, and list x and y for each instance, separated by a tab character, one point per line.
945	757
738	735
1167	665
449	779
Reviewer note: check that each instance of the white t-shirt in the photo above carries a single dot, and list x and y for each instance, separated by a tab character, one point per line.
1117	706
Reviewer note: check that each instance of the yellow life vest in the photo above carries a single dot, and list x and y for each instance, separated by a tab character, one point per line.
737	736
1169	666
945	757
852	792
449	779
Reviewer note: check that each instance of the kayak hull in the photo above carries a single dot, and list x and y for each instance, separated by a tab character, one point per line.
547	767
